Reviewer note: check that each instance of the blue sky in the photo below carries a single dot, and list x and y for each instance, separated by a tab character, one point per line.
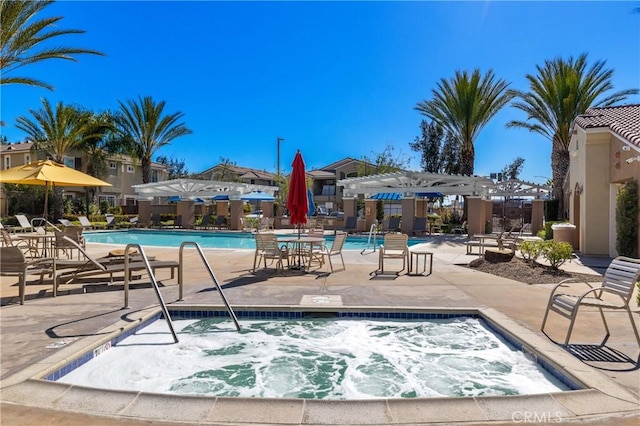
334	79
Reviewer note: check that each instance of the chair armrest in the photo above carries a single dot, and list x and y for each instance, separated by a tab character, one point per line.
563	284
47	260
603	289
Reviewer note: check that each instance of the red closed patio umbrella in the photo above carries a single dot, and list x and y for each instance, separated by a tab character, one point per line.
297	200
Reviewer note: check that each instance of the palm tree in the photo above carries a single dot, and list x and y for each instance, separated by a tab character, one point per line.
98	146
56	131
147	130
562	90
463	105
23	40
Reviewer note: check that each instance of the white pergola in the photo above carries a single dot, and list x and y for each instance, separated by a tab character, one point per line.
189	189
409	183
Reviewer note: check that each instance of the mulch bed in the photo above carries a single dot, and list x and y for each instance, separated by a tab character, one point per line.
519	270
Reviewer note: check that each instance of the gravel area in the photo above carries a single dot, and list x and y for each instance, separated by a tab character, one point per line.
535	273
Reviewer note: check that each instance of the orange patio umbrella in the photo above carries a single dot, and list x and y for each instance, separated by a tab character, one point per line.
48	173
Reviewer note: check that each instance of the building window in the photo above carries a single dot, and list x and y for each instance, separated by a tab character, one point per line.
112	165
7	162
27	158
130	169
110	199
129	201
328	190
154	175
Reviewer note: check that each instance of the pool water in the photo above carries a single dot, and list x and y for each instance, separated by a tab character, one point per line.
224	240
319	359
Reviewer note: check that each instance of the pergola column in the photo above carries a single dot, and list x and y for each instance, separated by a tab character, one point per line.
370	212
537	216
186	209
222	208
408	213
267	208
350	207
144	212
236	213
421	207
476	213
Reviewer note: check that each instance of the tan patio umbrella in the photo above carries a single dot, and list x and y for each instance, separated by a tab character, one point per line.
48	173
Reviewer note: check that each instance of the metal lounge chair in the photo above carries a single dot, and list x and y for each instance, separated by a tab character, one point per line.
205	223
84	222
615	293
61	244
24	223
420	225
15	264
221	222
394	246
351	224
93	266
65	222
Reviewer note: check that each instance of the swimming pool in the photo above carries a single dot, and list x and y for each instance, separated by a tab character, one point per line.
206	239
318	358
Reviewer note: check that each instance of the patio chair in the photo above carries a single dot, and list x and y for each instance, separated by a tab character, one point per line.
24	246
462	229
420	225
394	246
15	264
615	293
134	222
267	248
62	244
92	266
177	222
335	250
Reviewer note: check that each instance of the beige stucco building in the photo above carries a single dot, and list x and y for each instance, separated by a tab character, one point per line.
122	173
604	153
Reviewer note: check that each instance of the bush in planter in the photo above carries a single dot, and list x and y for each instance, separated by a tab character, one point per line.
531	250
556	252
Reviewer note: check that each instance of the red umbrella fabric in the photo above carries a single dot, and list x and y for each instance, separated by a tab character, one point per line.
297	201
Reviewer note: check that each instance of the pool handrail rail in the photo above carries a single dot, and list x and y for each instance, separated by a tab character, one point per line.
140	252
211	274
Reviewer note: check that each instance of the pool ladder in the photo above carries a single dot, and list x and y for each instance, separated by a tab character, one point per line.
373	234
211	274
152	277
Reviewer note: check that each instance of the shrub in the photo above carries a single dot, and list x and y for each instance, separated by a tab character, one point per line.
556	252
627	220
531	250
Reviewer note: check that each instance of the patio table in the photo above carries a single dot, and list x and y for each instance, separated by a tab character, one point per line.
297	244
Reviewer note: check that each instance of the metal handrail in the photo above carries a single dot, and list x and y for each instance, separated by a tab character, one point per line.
213	277
152	277
373	232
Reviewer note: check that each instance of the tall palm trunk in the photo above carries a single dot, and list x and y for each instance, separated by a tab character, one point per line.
467	155
559	166
146	170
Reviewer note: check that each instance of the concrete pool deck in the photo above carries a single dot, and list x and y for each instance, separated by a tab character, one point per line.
47	328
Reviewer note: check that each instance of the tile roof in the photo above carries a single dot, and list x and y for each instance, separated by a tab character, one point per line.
623	120
16	147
